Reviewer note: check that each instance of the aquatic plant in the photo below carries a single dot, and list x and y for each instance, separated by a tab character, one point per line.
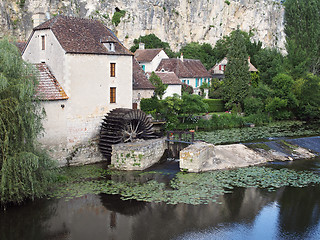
188	188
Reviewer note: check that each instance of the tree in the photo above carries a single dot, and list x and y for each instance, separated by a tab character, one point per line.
302	29
269	62
193	104
308	94
152	41
24	170
222	46
204	52
237	75
160	87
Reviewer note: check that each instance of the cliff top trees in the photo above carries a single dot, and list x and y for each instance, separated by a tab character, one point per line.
23	170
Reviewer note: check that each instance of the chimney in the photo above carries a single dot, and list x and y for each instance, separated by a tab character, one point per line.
181	57
141	46
39	17
249	60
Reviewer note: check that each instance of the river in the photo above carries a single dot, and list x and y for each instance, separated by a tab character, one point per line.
244	213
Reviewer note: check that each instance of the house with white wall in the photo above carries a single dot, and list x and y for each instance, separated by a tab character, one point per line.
217	71
189	71
149	59
91	70
142	87
173	82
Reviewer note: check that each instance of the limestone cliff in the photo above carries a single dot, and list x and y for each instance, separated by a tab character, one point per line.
175	21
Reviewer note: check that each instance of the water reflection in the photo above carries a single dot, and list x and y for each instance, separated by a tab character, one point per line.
246	213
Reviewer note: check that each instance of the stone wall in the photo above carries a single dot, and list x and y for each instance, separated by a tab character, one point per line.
137	155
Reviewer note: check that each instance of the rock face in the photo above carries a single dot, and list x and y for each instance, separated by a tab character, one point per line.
177	22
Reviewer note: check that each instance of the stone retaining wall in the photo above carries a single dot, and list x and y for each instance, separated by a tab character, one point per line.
137	155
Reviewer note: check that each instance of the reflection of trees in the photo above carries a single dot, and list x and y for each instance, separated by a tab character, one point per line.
115	204
233	202
299	209
27	221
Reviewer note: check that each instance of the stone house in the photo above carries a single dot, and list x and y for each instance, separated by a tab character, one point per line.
84	73
189	71
142	87
217	71
149	59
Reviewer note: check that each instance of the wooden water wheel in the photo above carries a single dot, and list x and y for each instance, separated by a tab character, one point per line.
123	125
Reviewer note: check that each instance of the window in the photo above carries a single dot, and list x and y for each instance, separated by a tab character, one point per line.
224	67
43	43
187	81
197	82
112	95
144	67
112	69
220	67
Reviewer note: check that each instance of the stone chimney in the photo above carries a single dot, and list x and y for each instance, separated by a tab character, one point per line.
141	46
181	57
40	17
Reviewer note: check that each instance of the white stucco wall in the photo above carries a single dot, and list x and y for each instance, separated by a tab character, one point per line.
172	89
53	55
89	98
152	66
144	93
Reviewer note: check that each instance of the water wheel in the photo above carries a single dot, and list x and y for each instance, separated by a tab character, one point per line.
123	125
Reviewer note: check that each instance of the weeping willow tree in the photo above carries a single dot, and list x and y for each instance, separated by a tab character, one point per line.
25	171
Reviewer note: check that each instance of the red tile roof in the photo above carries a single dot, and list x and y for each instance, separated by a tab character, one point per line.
146	55
140	80
79	35
188	68
169	78
49	88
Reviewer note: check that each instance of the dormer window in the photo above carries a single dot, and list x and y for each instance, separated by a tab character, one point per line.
109	43
110	46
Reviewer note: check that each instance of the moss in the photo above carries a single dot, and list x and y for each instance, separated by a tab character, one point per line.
259	146
116	18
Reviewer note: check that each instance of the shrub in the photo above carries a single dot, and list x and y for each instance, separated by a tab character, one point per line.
253	105
215	105
117	16
149	104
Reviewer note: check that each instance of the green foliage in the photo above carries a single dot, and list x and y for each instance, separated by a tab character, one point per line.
149	104
204	52
23	169
214	105
253	105
302	29
170	109
185	88
116	18
222	46
308	93
237	75
152	41
160	88
278	108
193	104
269	63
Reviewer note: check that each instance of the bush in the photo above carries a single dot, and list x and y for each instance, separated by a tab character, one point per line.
215	105
149	104
117	16
253	105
